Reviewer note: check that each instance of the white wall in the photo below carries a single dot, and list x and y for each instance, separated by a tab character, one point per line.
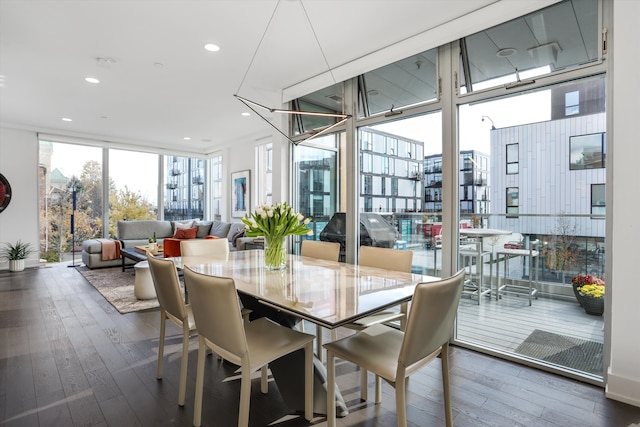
623	381
19	165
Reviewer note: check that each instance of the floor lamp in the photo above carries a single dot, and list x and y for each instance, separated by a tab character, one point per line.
73	233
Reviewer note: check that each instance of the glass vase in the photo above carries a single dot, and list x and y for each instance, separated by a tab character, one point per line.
275	253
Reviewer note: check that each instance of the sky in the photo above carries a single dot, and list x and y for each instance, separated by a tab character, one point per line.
474	132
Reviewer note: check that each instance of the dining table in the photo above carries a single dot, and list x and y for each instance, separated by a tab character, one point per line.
326	293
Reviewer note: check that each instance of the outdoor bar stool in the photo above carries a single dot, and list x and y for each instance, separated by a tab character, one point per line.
533	254
473	254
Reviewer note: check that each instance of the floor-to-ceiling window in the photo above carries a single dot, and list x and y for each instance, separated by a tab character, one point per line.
65	168
132	183
399	123
546	150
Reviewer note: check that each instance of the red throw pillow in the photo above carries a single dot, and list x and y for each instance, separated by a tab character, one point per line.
186	233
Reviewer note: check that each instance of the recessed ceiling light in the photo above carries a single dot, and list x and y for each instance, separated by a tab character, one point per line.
245	114
506	52
92	80
66	119
187	138
212	47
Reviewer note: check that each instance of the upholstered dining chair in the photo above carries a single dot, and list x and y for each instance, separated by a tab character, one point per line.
172	307
389	259
249	345
214	248
209	248
321	250
395	355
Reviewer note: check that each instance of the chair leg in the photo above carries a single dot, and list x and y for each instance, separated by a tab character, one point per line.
378	398
364	384
264	378
183	363
401	404
161	344
331	389
308	383
448	413
245	395
197	407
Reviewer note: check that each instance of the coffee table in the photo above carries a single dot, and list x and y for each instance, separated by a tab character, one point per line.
137	253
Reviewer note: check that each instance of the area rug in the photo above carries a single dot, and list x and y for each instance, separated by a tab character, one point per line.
116	286
575	353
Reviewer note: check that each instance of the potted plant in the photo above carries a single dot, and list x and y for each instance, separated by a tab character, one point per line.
582	280
275	223
153	242
16	254
592	297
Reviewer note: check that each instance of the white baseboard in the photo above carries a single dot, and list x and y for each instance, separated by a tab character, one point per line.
623	389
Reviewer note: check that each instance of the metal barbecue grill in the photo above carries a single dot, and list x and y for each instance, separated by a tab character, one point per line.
375	230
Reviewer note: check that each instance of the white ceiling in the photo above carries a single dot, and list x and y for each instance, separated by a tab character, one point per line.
162	86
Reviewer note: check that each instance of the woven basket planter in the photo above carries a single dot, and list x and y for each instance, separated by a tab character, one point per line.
593	306
577	294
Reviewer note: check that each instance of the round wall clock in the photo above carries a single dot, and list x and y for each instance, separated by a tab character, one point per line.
5	192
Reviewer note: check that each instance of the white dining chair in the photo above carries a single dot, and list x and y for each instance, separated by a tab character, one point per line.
320	250
389	259
394	355
249	345
172	307
329	251
213	248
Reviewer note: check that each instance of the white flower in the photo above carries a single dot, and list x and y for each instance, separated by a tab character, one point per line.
263	214
270	213
310	232
299	217
306	221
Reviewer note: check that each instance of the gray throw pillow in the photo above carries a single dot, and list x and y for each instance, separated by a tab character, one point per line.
220	229
204	227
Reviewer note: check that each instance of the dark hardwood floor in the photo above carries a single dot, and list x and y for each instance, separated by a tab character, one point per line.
68	358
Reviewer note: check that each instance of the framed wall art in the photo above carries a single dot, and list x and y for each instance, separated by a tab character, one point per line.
240	193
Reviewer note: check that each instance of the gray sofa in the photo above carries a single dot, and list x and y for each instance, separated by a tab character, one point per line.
137	233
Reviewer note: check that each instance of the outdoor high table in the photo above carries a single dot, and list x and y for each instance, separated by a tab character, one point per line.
480	234
327	293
